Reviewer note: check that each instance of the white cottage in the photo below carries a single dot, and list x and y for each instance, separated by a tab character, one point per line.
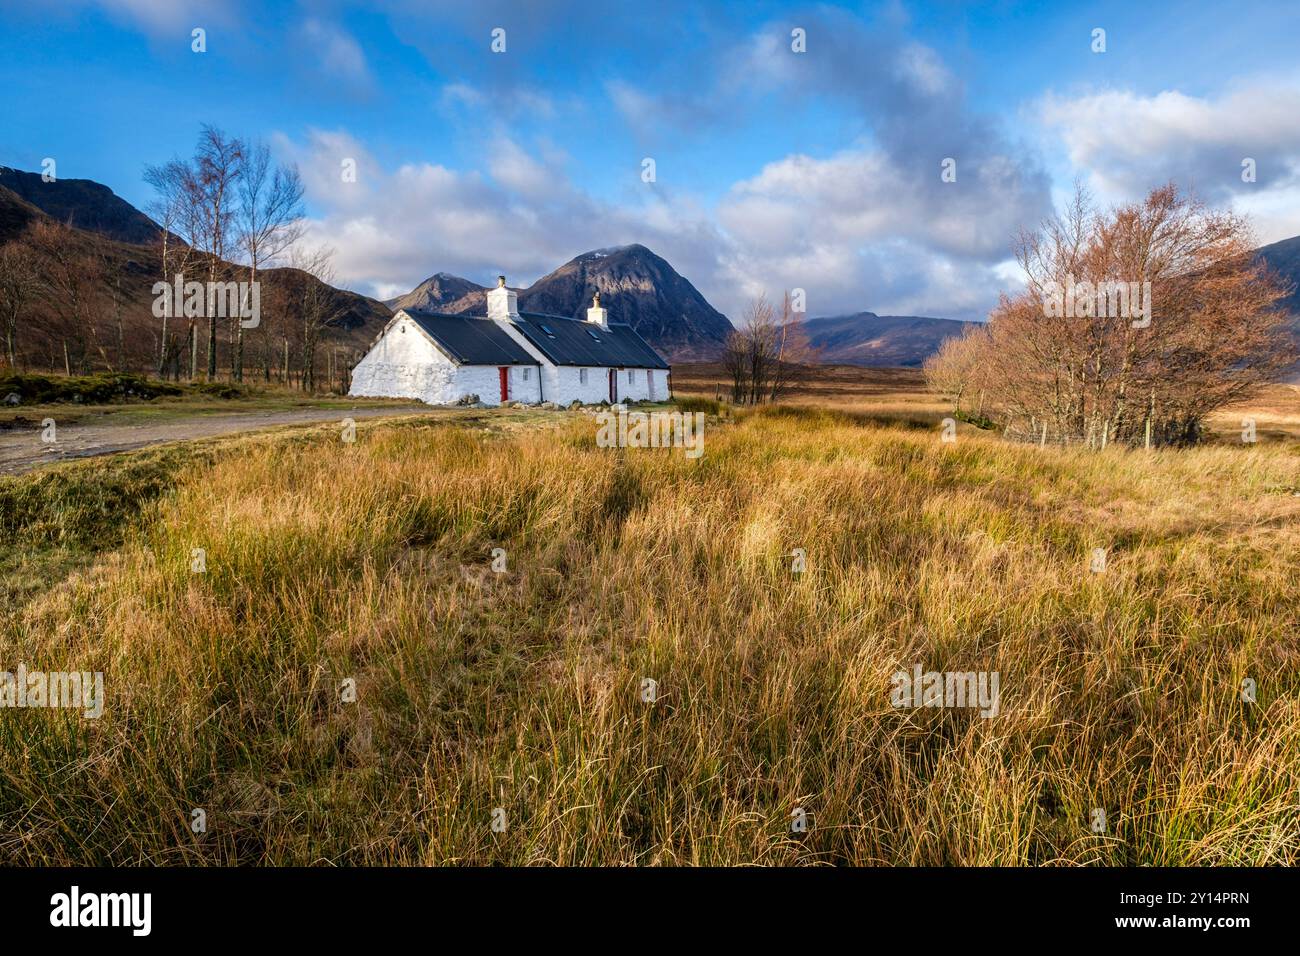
510	356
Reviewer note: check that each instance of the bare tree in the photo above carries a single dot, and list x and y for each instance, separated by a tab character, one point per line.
736	365
18	286
211	186
317	302
1097	364
73	279
109	271
175	209
794	353
955	368
767	352
268	222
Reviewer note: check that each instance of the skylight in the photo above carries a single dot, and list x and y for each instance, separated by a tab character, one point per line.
593	335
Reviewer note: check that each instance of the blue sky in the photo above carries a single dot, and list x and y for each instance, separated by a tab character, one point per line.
774	169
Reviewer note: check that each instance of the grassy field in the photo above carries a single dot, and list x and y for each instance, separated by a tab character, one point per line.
333	566
899	396
887	395
132	399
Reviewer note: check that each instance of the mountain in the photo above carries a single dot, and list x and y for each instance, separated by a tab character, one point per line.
119	276
353	311
82	203
635	285
16	214
865	338
1284	259
439	293
639	288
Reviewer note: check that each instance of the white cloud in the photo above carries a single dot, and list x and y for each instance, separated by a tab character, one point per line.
175	18
335	52
859	231
872	226
503	103
1129	143
395	227
921	68
518	171
848	230
322	161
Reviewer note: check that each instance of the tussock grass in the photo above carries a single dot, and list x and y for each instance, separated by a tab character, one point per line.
521	690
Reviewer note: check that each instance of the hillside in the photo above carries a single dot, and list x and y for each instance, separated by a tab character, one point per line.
16	214
1284	259
127	270
82	203
865	338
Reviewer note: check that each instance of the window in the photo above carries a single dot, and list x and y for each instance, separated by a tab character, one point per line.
546	330
629	376
582	376
526	374
593	335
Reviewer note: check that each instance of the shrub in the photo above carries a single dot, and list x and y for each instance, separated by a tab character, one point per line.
105	388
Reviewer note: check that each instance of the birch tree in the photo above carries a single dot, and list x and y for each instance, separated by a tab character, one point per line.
19	285
1208	333
268	222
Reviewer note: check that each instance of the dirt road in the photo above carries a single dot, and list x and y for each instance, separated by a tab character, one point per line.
24	448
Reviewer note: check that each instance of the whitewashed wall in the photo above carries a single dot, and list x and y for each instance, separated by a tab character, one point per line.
405	364
525	384
481	380
568	384
639	389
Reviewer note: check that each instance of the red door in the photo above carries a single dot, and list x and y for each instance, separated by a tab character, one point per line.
613	387
505	382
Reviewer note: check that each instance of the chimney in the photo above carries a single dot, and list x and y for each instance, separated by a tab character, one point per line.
502	303
596	314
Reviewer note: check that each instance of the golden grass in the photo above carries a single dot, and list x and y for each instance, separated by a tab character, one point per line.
1275	411
884	395
521	690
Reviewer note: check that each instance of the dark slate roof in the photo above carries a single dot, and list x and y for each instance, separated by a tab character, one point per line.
575	342
471	341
